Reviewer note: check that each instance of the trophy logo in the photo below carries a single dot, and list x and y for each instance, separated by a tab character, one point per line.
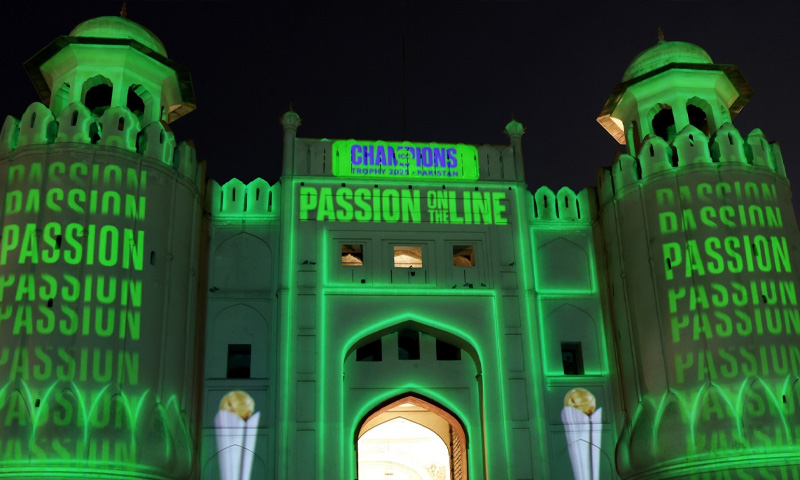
236	425
582	420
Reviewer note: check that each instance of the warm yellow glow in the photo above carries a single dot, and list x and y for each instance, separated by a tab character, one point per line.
407	257
400	449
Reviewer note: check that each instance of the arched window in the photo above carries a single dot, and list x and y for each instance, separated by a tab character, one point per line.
699	112
138	101
664	123
97	94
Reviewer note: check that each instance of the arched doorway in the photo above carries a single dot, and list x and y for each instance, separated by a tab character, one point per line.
411	438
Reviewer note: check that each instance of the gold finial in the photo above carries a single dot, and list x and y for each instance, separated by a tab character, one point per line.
124	12
661	35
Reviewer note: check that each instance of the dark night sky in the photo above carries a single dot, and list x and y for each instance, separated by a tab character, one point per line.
470	66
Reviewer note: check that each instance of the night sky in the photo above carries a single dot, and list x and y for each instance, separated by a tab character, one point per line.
470	66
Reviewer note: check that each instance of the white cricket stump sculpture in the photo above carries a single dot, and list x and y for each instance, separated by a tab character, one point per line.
582	420
236	435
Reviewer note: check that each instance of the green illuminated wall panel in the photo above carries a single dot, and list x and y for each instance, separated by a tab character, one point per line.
90	374
717	313
647	335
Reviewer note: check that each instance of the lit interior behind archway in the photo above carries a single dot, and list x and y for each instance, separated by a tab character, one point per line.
400	449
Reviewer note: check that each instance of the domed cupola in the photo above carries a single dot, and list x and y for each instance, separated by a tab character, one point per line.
669	86
110	62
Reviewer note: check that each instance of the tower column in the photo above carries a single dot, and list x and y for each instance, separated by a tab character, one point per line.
515	130
290	121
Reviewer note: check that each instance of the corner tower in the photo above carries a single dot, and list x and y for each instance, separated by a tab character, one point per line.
100	247
700	245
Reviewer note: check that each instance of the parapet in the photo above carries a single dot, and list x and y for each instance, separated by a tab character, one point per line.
118	127
690	148
564	206
314	156
234	199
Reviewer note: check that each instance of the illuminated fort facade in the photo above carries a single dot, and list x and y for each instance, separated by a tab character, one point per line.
391	309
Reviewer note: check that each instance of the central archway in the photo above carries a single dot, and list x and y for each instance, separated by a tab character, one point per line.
411	438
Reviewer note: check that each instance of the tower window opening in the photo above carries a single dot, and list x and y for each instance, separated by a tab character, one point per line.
664	124
352	255
446	351
98	99
134	102
371	352
408	345
698	118
572	358
239	360
74	118
407	256
463	255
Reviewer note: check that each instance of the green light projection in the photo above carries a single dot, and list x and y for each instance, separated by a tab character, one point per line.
398	205
405	160
732	319
71	310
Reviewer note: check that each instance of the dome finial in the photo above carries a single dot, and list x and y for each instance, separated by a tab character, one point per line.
124	12
661	35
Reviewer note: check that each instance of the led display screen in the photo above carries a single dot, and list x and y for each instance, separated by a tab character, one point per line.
405	160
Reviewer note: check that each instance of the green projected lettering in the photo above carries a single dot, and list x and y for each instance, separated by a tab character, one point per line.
731	304
106	245
390	205
71	310
405	160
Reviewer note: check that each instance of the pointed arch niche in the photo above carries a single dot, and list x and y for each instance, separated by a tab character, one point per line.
411	437
435	368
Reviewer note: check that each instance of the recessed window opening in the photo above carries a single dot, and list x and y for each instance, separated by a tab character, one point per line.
352	255
239	360
407	257
572	358
664	124
463	255
408	345
371	352
134	102
446	351
98	99
698	118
